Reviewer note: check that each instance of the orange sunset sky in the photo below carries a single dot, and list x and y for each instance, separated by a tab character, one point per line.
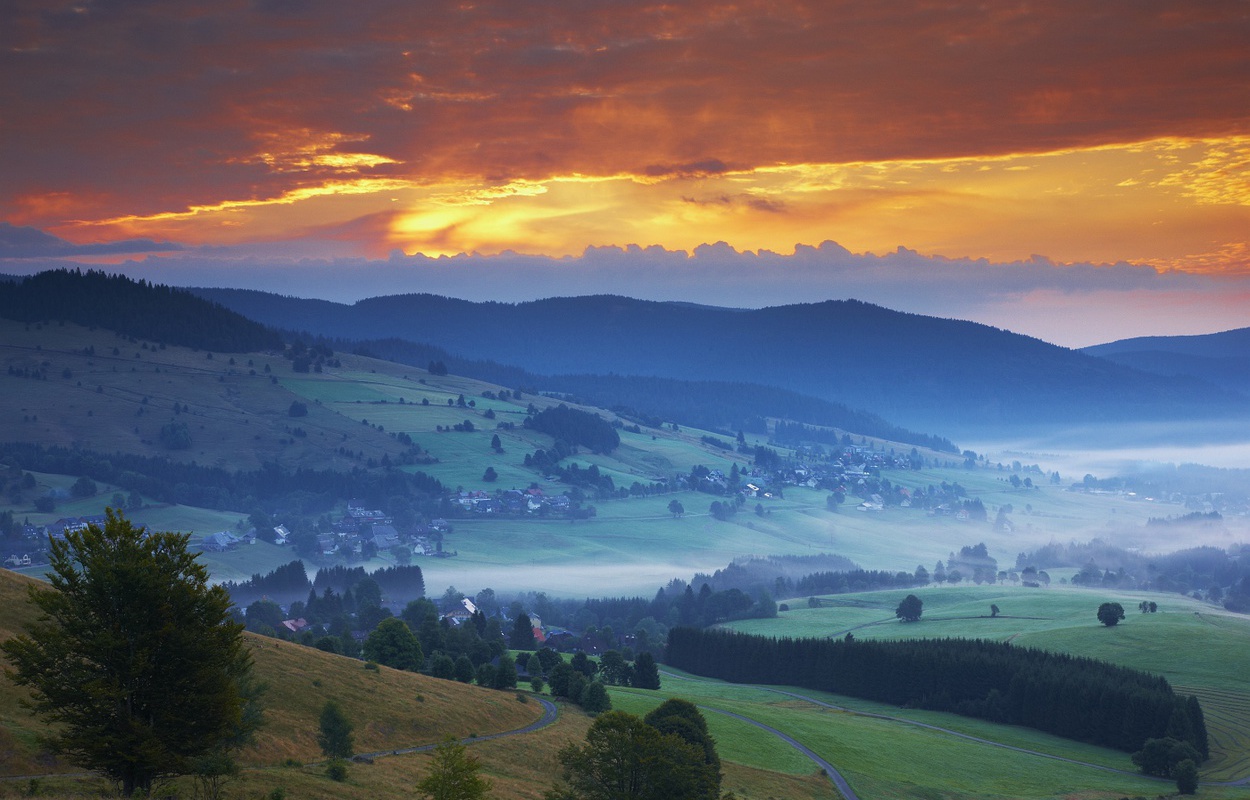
1072	170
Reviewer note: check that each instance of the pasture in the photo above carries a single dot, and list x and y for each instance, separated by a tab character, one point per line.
1199	648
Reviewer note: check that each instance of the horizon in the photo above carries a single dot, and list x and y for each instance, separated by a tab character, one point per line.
1076	173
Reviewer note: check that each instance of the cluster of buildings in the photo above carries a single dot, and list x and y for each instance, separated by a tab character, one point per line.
512	501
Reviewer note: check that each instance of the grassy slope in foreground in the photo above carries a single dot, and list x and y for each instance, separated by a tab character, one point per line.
389	709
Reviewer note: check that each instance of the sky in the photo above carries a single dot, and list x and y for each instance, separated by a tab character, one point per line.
1074	171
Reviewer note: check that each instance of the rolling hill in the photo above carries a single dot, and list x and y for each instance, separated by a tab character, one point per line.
882	750
956	378
1219	358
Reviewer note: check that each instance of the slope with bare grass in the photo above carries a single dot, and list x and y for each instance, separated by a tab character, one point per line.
390	709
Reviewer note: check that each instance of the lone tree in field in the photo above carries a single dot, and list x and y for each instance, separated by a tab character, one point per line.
135	659
910	609
453	775
1110	613
335	737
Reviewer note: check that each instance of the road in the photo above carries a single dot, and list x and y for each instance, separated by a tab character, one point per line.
550	713
829	769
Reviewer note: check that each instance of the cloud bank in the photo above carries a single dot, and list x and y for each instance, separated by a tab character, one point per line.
1071	304
23	242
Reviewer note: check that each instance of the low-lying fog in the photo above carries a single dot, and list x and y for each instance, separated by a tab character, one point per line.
572	580
1105	451
899	539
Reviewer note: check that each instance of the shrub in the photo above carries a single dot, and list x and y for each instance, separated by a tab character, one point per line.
336	770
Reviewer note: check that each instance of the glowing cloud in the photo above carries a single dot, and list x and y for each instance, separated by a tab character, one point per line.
1092	133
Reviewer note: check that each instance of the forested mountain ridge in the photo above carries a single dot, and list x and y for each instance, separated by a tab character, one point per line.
925	373
1221	358
713	405
1225	344
134	308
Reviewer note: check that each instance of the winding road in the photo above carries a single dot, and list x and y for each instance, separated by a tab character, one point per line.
550	713
829	769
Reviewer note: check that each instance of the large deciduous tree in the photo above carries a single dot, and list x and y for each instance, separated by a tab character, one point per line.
135	659
393	644
626	759
1110	613
682	719
910	608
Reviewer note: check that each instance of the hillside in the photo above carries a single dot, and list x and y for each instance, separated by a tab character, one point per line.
1061	619
1219	358
389	709
363	411
73	386
883	751
132	308
957	378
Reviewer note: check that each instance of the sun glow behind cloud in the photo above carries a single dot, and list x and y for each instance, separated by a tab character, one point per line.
1179	203
1146	202
289	133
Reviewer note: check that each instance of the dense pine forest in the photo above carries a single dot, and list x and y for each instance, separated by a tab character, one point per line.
133	308
1077	698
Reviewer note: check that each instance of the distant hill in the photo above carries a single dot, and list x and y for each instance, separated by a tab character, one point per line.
958	378
134	308
1219	358
712	405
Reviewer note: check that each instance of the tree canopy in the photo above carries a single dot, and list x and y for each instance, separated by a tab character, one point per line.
973	677
624	758
453	775
1110	614
393	644
135	308
135	659
576	427
335	736
910	609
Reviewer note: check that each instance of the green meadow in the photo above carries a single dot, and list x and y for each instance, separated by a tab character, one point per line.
238	417
1198	647
236	409
885	758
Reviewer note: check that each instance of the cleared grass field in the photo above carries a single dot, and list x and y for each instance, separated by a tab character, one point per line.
883	758
1201	650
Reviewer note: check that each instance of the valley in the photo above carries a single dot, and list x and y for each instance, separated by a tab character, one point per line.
337	459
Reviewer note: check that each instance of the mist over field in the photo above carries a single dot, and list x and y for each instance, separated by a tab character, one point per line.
569	580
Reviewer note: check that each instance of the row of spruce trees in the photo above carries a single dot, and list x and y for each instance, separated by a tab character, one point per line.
134	308
1077	698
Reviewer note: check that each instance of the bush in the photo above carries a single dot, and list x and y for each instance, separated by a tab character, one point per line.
1163	757
1186	774
336	770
